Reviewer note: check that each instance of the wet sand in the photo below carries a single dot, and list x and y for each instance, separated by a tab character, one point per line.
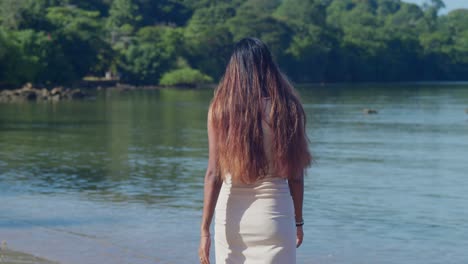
8	256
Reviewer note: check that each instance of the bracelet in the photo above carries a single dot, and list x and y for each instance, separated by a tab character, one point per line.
301	223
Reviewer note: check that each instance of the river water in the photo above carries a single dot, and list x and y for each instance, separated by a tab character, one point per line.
119	179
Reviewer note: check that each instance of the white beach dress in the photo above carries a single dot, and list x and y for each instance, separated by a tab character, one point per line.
254	223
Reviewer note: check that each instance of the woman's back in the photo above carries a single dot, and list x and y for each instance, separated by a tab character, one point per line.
258	148
268	137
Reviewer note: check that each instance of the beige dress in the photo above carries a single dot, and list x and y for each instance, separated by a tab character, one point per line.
254	223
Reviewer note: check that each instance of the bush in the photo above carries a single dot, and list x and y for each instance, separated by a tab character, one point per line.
184	77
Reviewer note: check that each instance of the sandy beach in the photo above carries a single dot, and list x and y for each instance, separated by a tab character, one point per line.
8	256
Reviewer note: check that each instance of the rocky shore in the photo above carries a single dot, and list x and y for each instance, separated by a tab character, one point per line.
29	93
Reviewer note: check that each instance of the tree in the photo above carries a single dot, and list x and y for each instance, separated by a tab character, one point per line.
312	39
60	41
167	12
123	19
11	13
77	33
207	39
29	56
254	19
10	62
152	53
431	9
457	20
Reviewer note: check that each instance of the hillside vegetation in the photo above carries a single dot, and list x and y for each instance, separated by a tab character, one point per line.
61	41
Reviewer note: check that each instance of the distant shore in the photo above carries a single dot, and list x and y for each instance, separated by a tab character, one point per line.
102	84
117	84
30	92
85	89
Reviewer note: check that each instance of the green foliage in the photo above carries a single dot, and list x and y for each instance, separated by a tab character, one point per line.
254	18
11	13
123	18
25	57
61	41
26	14
34	48
206	34
153	52
184	77
144	63
10	61
171	38
312	39
167	12
77	34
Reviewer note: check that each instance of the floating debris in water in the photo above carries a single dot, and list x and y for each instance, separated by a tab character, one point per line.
368	111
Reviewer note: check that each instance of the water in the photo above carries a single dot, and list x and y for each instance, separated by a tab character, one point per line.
119	179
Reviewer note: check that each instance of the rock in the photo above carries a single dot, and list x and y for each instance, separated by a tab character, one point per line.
5	96
6	93
55	98
30	95
466	110
56	90
76	94
44	94
28	86
368	111
66	94
27	93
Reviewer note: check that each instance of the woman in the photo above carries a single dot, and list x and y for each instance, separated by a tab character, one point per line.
257	155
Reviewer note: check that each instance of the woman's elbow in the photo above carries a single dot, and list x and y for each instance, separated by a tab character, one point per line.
211	176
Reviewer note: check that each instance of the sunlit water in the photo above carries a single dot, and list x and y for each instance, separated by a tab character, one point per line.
119	179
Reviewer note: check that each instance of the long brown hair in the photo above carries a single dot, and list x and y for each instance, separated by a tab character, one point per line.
236	114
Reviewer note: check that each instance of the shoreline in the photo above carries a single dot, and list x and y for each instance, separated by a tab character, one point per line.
30	92
88	89
98	85
113	84
9	256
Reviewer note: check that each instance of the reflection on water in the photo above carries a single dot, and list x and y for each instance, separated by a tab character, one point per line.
122	175
142	146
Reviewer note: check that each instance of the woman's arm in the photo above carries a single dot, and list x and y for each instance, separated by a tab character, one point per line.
210	197
212	183
296	187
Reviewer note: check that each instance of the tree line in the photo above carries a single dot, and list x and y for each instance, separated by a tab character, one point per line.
170	41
